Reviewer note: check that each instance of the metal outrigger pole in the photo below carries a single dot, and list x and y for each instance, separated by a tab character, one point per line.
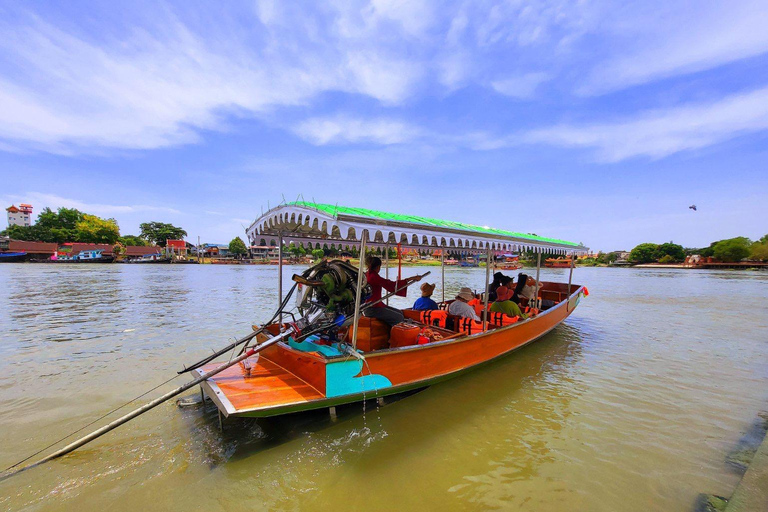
148	406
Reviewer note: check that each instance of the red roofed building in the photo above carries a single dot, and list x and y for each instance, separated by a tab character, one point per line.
44	249
70	249
142	250
176	247
21	216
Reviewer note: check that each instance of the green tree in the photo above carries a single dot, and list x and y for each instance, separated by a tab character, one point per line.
674	251
92	229
759	250
67	225
644	253
318	254
297	251
732	249
132	240
237	247
158	232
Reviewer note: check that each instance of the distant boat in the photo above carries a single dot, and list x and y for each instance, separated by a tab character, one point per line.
92	256
149	260
10	257
557	262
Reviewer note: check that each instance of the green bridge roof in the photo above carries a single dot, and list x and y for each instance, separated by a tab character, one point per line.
335	210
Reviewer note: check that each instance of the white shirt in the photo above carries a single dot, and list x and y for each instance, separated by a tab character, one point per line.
458	308
528	291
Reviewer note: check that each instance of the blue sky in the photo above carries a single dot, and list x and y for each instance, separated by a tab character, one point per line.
589	121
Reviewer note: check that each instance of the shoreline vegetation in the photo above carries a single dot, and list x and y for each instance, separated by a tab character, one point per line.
69	225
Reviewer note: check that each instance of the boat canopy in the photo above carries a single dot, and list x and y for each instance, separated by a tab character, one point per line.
317	225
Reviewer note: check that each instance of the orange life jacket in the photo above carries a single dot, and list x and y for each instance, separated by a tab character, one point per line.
477	305
503	319
469	326
435	317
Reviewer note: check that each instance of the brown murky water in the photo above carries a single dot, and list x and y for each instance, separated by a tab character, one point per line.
631	405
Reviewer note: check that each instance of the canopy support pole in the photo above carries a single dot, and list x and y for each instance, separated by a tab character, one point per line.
536	301
358	292
386	265
442	268
487	285
280	277
570	279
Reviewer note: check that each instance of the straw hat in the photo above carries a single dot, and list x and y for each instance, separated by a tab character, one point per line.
427	289
466	294
503	293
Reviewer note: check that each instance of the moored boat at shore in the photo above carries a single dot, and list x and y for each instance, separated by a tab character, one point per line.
10	257
558	262
90	256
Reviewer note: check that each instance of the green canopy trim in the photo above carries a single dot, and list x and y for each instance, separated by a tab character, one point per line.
376	215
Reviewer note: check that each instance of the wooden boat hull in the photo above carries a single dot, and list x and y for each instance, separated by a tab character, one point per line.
160	261
11	257
286	380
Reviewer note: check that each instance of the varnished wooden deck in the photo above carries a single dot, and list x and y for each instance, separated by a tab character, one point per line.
269	385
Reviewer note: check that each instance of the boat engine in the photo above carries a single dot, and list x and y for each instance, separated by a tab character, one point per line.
327	292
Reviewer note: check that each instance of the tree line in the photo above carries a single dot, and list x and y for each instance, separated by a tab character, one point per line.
71	225
729	250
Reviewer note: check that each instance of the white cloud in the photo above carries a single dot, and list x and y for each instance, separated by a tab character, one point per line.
660	133
141	84
41	200
522	87
344	130
65	92
658	42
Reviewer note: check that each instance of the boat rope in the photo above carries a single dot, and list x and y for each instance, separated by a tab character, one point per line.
41	450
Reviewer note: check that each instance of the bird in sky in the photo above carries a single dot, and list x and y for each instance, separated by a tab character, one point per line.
693	207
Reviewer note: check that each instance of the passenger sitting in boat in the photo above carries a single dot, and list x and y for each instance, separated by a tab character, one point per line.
497	278
459	307
381	311
425	302
503	304
528	291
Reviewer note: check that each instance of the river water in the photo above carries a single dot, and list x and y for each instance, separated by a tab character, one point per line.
632	404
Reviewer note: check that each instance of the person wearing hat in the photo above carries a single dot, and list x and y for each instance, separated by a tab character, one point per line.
498	279
459	307
425	302
503	304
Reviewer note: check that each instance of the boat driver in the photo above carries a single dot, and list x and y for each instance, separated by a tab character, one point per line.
381	311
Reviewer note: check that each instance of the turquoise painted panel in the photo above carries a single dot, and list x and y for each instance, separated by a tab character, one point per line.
341	379
308	346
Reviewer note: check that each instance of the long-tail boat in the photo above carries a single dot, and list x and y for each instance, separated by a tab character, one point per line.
327	353
558	262
332	355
